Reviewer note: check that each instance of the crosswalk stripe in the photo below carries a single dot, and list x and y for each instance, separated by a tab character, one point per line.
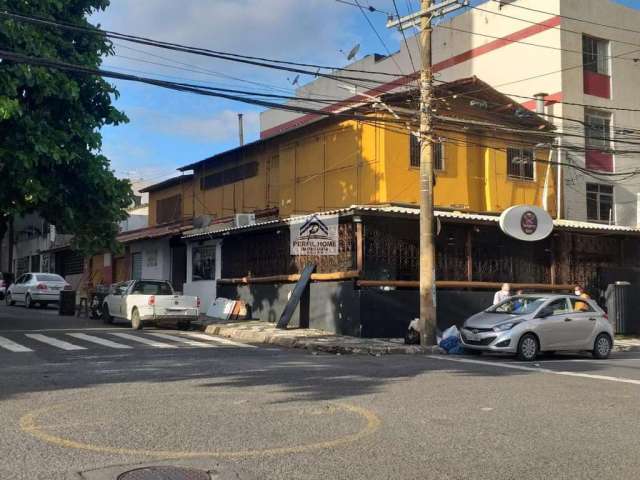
13	346
98	340
186	341
223	341
54	342
146	341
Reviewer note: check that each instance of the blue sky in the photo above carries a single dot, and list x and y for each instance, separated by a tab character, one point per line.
169	129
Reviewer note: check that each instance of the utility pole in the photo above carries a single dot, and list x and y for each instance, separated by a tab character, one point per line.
241	129
427	251
427	323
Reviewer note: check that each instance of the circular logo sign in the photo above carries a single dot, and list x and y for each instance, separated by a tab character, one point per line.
529	222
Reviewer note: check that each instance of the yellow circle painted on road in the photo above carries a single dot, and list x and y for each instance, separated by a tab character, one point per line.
29	424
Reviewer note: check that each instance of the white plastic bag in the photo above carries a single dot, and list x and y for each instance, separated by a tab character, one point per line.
450	332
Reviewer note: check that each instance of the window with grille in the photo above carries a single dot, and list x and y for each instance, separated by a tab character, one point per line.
597	130
520	163
599	202
169	209
595	55
229	176
414	153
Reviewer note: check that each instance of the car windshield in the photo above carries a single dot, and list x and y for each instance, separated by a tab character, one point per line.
48	277
518	305
153	288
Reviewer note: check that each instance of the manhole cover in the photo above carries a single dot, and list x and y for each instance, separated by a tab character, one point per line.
164	473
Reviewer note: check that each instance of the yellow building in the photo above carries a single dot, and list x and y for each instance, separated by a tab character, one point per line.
489	154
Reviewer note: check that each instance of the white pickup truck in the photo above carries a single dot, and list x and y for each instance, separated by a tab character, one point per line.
145	302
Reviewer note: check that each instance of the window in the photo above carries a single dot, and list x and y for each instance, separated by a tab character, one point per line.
520	163
49	278
229	176
597	130
169	209
558	307
595	55
204	263
580	306
599	202
414	153
152	288
136	266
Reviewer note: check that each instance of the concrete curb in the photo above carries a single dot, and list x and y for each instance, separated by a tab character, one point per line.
318	342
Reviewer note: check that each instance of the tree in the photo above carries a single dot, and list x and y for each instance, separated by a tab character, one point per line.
50	121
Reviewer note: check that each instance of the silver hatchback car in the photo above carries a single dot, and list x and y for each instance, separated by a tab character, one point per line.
529	324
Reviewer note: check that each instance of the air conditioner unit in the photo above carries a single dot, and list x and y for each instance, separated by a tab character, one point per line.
201	221
245	219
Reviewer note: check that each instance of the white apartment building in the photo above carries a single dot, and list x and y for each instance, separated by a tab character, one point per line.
584	54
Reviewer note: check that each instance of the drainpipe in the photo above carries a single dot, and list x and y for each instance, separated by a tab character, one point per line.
540	102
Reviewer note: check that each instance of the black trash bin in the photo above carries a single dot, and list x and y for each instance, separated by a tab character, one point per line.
618	297
67	302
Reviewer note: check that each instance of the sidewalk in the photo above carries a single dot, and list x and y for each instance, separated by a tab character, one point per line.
626	344
309	339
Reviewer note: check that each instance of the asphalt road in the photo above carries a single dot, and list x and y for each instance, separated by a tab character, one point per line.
78	397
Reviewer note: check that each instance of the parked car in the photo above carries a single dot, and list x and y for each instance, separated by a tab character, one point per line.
529	324
6	279
145	302
36	287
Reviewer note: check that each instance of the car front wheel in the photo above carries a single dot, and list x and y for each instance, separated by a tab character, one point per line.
8	299
602	346
528	348
106	316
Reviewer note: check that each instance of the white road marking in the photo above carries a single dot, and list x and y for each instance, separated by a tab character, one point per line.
186	341
55	342
13	346
223	341
537	370
98	340
146	341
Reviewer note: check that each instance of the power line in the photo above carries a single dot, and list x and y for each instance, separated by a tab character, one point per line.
249	59
562	29
368	7
378	35
616	27
413	67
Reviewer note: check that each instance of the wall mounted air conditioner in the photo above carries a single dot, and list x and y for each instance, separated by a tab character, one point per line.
245	219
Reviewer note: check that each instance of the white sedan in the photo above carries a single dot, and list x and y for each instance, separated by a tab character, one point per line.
32	288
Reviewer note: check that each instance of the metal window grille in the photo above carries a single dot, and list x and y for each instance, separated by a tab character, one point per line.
598	130
414	153
229	176
169	209
595	55
520	163
599	202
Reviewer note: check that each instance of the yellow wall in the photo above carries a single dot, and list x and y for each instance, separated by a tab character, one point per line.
185	189
474	176
332	166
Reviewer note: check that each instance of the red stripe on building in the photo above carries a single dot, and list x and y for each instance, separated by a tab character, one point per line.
455	60
550	100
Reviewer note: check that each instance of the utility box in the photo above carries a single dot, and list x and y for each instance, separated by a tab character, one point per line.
619	307
67	302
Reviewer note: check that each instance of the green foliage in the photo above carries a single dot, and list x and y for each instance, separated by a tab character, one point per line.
50	122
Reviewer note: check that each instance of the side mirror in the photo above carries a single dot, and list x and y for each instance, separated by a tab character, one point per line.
544	313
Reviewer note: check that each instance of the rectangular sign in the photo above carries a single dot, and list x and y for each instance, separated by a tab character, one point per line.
314	235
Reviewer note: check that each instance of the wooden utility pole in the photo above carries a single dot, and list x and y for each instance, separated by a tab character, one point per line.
427	251
428	10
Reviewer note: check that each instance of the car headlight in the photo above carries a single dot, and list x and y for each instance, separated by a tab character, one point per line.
505	326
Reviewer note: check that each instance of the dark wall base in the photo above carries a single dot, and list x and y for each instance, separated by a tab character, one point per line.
340	308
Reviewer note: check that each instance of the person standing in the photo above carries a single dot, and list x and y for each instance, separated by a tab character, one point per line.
502	294
579	292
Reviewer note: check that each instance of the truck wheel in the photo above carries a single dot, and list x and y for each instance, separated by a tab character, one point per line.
136	323
106	316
